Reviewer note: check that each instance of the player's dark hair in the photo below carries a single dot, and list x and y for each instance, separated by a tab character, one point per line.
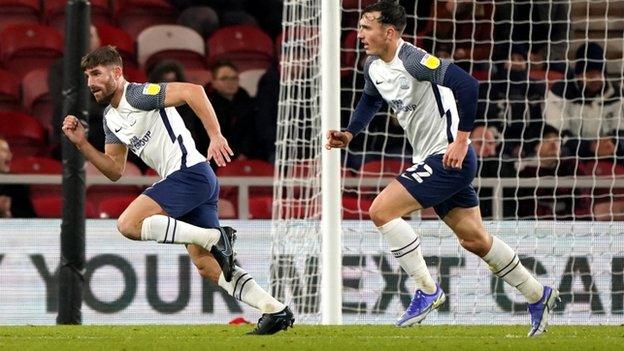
220	64
391	13
105	56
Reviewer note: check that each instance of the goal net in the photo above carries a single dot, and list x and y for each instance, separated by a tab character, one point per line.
549	138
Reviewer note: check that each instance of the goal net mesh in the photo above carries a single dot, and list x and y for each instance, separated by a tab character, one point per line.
548	134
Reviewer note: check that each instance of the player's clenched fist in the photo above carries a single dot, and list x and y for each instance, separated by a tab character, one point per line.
74	130
338	139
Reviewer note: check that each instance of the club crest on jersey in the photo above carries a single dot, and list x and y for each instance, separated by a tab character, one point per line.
151	89
131	120
430	61
403	83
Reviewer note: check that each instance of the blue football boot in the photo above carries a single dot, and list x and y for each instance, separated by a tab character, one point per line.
420	307
541	310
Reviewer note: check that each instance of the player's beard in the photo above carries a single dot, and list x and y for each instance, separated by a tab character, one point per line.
107	92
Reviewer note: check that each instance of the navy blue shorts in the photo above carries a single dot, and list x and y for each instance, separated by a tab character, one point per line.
190	195
443	189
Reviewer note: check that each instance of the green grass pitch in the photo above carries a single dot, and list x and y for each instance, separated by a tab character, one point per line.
304	337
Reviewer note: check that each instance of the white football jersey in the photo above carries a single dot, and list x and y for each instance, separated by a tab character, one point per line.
411	85
154	133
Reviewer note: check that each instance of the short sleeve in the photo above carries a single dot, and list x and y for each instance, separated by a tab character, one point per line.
109	137
147	96
422	65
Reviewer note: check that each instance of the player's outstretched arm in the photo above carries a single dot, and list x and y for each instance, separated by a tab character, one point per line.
111	163
194	95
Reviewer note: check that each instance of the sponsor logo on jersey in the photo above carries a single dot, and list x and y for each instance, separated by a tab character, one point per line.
151	89
398	106
430	61
137	144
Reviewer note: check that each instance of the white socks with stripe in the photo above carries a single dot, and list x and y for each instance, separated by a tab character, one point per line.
167	230
405	246
244	288
505	264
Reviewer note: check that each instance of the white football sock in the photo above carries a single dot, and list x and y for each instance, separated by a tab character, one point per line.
505	264
244	288
167	230
405	246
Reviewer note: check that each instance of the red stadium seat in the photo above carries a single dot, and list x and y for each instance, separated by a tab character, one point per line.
113	207
37	99
260	207
19	12
134	75
39	165
98	193
549	76
298	209
135	15
170	41
356	4
482	76
247	47
309	35
349	53
24	133
246	168
10	92
202	77
124	43
354	208
384	168
25	47
36	165
51	207
227	210
54	13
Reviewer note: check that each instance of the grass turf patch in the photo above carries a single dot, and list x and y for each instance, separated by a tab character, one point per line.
304	337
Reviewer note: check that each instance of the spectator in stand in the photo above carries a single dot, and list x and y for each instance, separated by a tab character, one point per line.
588	106
14	198
490	164
560	203
512	102
166	71
267	98
607	203
235	110
465	29
543	24
55	83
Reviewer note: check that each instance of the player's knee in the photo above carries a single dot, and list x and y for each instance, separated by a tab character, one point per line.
479	245
378	215
128	228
